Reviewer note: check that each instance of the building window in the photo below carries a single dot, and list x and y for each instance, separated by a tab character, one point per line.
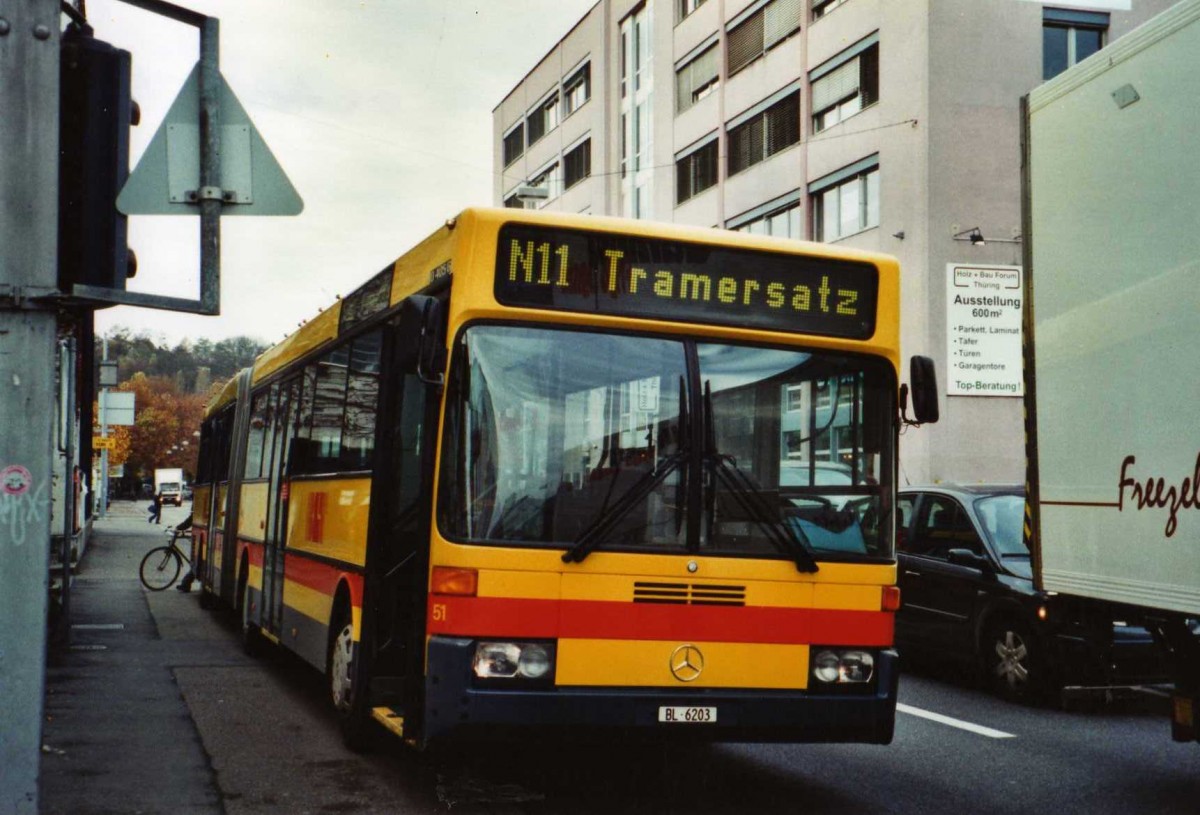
752	35
514	144
847	202
765	134
637	98
845	88
822	7
697	79
686	7
696	172
577	164
577	89
783	222
543	119
1070	36
793	398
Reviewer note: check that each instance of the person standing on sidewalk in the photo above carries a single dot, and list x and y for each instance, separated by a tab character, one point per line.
155	509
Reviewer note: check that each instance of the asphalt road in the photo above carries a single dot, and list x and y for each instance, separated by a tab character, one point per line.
261	740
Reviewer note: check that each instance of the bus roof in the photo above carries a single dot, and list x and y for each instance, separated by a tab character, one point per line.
224	396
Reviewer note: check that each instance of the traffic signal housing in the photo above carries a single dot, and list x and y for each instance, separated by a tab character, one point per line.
96	112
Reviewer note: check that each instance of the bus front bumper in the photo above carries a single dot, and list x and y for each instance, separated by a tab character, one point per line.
455	707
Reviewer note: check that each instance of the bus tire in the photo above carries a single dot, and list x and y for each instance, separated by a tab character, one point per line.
347	678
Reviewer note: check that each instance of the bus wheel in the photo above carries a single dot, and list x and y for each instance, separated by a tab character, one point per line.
252	639
348	681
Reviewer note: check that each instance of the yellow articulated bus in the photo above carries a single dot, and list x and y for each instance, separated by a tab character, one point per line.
577	475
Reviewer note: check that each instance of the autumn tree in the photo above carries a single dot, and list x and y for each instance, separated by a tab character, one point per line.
171	386
166	430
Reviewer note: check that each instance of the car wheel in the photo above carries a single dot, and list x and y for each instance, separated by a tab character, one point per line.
1012	662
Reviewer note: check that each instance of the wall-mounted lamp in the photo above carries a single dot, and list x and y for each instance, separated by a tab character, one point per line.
898	235
975	237
527	193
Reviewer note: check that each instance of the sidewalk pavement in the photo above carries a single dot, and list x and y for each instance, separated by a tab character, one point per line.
118	735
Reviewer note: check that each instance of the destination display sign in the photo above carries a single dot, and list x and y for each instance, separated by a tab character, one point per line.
629	276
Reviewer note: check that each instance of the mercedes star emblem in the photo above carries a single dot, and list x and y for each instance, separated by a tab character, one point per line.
687	663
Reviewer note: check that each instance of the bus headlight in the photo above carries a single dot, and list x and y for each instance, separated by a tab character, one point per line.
825	666
511	660
843	666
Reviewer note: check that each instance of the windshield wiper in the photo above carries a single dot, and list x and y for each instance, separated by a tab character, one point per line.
639	490
786	537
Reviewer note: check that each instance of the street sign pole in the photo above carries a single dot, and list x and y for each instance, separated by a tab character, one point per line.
103	509
107	378
29	132
210	167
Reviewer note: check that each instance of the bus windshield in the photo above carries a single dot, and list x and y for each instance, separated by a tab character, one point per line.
666	445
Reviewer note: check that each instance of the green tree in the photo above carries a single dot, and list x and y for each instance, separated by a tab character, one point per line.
138	353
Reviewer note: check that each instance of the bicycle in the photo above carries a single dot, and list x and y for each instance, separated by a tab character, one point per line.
161	565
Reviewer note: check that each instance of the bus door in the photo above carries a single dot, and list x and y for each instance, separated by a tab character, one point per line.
275	540
398	549
220	443
226	564
217	442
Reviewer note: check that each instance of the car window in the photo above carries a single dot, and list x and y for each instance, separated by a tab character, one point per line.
943	525
904	512
1002	517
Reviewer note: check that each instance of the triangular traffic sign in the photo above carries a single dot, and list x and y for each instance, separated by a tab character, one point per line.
167	177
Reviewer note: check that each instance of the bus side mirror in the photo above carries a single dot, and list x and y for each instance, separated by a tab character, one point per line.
421	339
924	392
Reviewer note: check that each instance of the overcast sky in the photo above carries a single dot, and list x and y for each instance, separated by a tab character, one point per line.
379	112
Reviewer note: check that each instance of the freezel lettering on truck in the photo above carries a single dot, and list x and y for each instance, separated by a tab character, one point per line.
1154	492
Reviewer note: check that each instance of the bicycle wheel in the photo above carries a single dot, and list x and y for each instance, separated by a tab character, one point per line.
160	568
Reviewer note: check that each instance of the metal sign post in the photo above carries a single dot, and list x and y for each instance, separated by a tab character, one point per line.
206	159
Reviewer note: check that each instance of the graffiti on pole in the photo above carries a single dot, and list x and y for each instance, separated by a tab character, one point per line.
21	504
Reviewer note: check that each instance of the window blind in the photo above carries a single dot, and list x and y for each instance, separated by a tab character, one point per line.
745	43
834	86
780	19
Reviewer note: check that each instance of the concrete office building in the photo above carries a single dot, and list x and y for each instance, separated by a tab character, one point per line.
888	125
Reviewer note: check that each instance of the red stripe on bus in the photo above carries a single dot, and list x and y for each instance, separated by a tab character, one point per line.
318	576
312	574
254	551
597	619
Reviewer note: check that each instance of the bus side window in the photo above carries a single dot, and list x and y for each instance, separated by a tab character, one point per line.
362	402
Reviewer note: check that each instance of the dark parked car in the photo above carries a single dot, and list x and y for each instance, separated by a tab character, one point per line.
967	593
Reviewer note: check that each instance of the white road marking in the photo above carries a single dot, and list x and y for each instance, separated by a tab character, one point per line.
959	723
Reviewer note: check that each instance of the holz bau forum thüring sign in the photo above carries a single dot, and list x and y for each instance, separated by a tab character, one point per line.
983	330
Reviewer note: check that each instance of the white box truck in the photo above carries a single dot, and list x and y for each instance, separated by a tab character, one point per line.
168	482
1112	329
